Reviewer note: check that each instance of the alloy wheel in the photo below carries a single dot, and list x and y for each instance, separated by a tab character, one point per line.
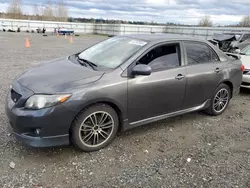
221	100
96	129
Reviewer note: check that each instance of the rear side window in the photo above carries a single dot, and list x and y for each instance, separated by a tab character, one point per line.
197	53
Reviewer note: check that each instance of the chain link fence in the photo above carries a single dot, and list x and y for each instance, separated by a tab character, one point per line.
115	29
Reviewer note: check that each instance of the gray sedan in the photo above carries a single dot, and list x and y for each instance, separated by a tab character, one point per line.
118	84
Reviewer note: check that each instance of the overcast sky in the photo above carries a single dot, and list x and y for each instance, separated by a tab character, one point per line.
179	11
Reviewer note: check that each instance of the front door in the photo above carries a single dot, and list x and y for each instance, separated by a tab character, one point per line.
161	92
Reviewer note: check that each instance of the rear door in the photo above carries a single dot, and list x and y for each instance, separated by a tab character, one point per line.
204	73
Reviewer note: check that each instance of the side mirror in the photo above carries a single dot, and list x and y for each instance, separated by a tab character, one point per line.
141	69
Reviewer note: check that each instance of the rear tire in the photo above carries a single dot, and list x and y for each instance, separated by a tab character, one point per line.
94	128
220	100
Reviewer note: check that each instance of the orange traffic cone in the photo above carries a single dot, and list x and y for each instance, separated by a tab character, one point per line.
71	39
27	43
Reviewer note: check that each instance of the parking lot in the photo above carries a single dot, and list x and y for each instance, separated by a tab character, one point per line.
194	150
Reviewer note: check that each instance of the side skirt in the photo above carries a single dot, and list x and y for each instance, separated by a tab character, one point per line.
127	125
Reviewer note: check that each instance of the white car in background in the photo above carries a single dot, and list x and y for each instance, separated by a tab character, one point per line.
245	58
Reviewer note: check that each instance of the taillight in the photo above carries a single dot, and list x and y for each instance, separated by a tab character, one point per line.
242	68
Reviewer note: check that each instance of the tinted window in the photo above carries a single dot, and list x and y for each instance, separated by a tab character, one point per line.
162	57
197	53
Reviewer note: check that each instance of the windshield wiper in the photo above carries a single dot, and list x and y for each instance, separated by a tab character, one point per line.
93	65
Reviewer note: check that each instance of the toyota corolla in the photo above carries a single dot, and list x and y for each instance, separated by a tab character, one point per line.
118	84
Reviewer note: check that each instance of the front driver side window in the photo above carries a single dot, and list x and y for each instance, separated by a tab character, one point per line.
162	57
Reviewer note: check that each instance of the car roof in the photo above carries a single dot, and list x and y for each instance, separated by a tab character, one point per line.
161	37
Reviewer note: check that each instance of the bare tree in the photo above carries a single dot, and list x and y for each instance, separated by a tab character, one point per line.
14	9
36	11
205	22
48	11
245	21
62	11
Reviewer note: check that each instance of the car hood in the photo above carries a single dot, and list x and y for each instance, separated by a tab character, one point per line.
58	75
245	61
223	37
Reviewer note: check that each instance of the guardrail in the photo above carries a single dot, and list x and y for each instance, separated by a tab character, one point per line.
116	29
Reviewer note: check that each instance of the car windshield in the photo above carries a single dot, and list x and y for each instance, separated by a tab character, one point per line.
237	37
246	51
112	52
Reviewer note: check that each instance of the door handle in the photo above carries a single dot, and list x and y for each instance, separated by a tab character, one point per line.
217	70
180	77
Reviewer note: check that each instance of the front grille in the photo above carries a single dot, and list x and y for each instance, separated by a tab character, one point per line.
246	71
15	96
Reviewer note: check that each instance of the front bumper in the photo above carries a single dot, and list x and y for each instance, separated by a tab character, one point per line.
53	123
245	81
43	141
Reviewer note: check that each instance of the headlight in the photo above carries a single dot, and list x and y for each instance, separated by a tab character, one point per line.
43	101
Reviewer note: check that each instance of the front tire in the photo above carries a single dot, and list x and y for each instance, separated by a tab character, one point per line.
220	100
94	128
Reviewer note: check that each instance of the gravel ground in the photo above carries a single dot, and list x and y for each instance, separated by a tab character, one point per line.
193	150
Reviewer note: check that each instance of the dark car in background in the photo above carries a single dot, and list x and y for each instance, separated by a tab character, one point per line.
231	41
118	84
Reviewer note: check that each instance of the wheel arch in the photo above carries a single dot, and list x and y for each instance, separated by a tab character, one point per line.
118	109
230	85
